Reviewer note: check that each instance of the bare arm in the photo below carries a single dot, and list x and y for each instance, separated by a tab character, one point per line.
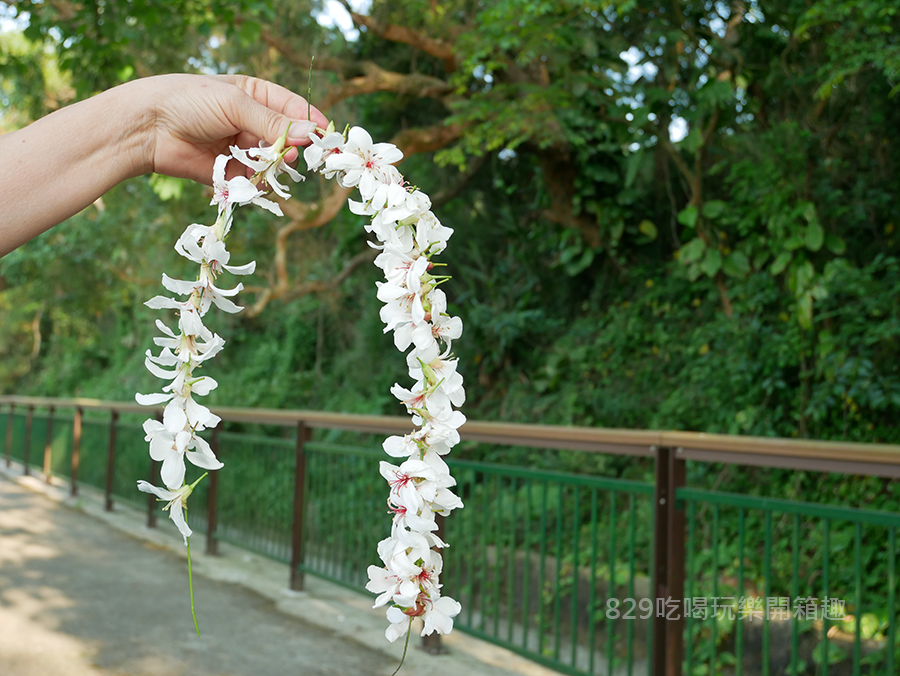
169	124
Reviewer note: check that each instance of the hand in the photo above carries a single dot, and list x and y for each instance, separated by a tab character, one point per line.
197	117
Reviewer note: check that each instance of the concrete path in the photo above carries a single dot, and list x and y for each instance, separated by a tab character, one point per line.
82	596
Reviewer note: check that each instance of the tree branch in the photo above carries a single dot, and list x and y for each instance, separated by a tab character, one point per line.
405	35
376	79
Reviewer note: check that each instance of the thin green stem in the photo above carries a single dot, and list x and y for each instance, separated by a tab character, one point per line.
191	587
405	648
309	90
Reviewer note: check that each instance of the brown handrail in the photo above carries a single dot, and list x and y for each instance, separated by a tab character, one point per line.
855	458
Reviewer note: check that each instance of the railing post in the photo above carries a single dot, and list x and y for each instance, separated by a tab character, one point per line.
9	434
660	561
303	433
675	578
26	451
212	500
48	447
151	499
111	459
76	449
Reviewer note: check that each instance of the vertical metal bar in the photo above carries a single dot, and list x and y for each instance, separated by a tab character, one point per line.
543	559
892	586
660	563
691	573
713	638
767	584
592	598
26	450
795	592
557	596
151	500
76	449
675	578
303	434
632	532
485	536
498	547
212	499
858	610
48	447
526	576
575	572
10	420
111	460
739	629
826	547
511	574
474	536
610	622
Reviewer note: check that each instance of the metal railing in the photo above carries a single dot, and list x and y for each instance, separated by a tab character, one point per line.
562	568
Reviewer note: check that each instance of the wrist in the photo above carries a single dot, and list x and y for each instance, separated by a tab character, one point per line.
134	136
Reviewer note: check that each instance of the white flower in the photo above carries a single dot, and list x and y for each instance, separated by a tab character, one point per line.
269	163
321	148
172	448
239	190
441	373
177	504
193	347
439	616
438	325
211	293
399	624
182	409
362	162
212	252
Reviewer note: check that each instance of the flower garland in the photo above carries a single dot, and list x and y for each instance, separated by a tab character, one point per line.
409	237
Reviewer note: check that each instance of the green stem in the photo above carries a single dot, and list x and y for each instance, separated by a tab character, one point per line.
191	587
309	90
405	648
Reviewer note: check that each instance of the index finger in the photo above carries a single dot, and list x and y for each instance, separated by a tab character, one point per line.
278	98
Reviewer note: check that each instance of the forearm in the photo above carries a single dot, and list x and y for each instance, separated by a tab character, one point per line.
65	161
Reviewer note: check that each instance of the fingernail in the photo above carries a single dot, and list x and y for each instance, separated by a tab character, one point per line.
301	129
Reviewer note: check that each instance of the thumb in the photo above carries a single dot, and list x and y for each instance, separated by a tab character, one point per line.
256	119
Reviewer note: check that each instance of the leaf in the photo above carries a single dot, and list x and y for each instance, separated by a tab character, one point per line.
615	231
166	187
736	265
648	229
692	251
712	263
781	262
805	310
714	208
794	242
249	33
809	212
632	167
688	216
759	260
835	244
815	235
693	140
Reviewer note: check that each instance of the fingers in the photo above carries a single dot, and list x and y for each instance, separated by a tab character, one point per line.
268	109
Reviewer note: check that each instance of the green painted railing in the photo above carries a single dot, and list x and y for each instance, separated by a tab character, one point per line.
588	575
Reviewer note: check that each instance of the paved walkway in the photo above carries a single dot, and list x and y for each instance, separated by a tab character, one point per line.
82	596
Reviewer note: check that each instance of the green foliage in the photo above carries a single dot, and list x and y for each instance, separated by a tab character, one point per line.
740	279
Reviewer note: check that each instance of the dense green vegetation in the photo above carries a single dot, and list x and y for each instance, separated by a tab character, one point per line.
740	275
